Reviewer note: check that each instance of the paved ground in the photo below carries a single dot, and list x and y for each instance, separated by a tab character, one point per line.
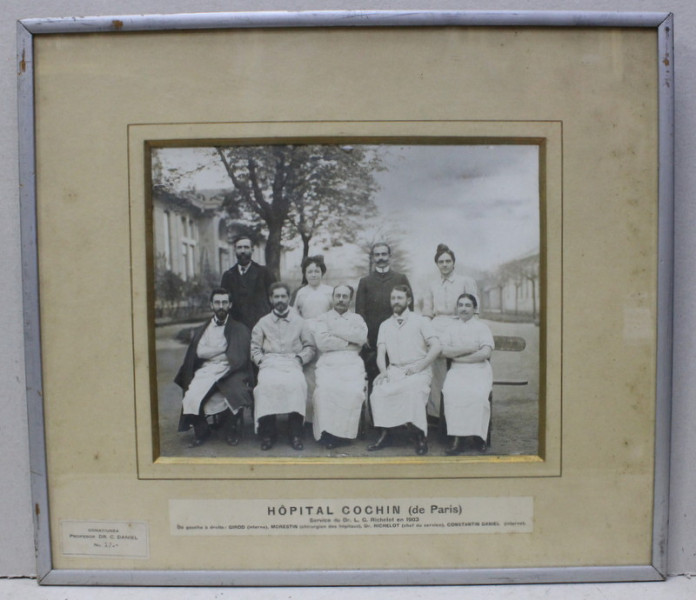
515	409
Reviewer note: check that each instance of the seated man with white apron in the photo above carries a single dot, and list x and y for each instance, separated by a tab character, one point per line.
216	374
401	390
280	346
340	374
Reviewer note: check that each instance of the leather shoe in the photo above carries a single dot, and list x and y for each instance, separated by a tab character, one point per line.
383	441
232	438
199	441
421	447
266	443
329	441
296	443
454	447
482	446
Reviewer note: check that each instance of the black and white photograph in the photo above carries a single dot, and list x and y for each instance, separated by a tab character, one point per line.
346	299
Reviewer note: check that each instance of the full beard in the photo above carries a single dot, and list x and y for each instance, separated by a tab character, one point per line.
398	309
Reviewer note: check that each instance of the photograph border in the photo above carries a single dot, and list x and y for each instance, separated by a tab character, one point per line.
26	32
546	462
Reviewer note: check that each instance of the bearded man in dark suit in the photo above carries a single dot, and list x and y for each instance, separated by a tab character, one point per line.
216	374
247	283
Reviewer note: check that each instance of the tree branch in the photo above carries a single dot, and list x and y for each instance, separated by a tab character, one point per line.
239	185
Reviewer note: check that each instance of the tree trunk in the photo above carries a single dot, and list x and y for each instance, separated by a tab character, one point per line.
305	246
273	249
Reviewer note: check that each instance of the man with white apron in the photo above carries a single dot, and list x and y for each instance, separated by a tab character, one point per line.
216	374
401	390
280	346
340	374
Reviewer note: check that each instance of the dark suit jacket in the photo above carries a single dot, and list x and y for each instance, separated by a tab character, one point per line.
236	385
372	300
249	293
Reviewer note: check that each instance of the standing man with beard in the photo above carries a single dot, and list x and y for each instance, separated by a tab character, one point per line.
401	390
248	283
372	301
280	346
216	374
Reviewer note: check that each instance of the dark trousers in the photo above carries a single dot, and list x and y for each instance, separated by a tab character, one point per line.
371	369
226	421
268	427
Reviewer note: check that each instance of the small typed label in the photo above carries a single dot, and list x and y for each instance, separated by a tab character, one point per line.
115	539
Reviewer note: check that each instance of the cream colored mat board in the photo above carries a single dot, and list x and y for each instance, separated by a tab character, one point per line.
589	93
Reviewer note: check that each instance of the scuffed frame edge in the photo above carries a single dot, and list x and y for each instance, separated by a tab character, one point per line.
27	29
665	288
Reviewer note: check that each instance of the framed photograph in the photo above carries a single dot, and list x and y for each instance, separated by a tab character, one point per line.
394	288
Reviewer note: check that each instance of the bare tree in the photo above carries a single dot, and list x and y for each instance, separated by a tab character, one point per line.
301	191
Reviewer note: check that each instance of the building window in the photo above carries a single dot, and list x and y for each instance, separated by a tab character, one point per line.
167	241
192	260
188	249
184	261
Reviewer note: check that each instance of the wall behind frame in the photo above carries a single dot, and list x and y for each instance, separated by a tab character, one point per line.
16	545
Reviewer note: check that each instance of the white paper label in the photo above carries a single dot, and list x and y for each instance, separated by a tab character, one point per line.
116	539
351	516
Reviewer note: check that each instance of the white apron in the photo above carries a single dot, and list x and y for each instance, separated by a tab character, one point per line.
466	392
203	380
281	387
401	399
339	394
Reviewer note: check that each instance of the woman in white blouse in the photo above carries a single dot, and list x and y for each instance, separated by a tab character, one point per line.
469	381
440	303
312	300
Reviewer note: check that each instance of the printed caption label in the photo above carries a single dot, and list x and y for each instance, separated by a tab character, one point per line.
351	516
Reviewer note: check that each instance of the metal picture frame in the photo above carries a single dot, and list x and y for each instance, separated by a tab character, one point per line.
62	556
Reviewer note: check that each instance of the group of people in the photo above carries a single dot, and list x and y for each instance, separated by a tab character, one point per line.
313	359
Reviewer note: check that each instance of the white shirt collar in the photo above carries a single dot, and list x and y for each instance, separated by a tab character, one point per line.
216	324
403	316
277	317
382	269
